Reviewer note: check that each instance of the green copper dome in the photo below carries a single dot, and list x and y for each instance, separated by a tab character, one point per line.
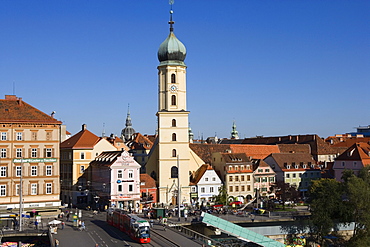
172	51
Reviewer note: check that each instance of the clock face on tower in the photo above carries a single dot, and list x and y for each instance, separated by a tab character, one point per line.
173	88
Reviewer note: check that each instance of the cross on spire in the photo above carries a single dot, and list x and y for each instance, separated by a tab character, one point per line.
171	22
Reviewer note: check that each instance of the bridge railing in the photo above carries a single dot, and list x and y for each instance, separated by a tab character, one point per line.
200	238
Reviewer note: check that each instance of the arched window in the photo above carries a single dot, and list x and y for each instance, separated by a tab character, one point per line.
173	137
174	153
173	122
174	172
173	78
173	100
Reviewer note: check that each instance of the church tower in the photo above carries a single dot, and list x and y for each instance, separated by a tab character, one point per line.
128	131
170	165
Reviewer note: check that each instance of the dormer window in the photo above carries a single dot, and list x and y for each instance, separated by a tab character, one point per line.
287	166
230	168
296	166
304	166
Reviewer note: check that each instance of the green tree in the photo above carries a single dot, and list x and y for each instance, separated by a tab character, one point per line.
326	206
357	192
285	192
222	196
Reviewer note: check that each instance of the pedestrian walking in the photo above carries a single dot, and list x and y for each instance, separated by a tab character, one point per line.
56	243
67	216
63	225
36	224
82	228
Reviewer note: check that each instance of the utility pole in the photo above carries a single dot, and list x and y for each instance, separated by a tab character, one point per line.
20	197
178	185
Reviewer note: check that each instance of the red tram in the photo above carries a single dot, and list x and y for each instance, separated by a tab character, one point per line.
135	227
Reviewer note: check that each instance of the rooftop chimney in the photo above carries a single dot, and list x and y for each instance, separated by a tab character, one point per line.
10	97
84	127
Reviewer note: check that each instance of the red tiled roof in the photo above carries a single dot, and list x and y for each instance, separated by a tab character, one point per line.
235	158
290	158
204	151
140	142
199	173
259	163
82	140
15	110
350	141
148	180
255	151
359	152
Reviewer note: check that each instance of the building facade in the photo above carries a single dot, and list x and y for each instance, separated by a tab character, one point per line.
76	154
29	156
236	171
264	178
205	185
296	169
354	158
115	180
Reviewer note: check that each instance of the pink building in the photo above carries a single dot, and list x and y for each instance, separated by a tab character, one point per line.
354	158
115	178
264	178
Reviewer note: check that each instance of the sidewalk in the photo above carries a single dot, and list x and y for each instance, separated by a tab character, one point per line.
70	236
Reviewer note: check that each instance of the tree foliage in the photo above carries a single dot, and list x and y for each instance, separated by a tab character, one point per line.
334	202
357	190
325	204
222	196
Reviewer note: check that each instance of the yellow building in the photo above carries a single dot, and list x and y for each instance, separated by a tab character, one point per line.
75	155
29	156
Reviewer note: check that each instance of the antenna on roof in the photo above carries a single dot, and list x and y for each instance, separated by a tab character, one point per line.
13	88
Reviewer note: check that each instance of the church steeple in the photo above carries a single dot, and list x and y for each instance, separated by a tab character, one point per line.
171	158
171	51
234	132
128	131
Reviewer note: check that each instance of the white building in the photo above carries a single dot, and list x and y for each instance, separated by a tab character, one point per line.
205	185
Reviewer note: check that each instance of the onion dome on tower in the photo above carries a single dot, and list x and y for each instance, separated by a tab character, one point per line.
171	51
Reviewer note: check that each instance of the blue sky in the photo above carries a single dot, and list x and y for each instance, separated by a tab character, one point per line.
275	67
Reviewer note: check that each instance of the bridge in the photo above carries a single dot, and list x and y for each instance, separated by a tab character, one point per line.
238	231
